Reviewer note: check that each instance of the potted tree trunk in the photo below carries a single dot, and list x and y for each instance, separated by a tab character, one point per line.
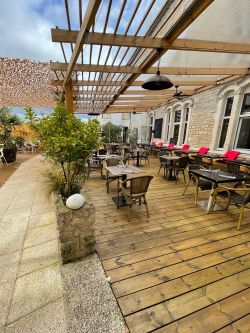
7	122
68	143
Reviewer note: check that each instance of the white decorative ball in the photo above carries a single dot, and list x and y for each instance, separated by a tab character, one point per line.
75	201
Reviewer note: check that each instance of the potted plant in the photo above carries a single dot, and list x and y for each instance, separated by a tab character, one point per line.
7	122
68	144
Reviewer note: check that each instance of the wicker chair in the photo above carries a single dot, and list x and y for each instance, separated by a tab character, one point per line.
179	167
95	165
233	167
110	178
102	151
240	197
136	192
163	162
202	184
144	156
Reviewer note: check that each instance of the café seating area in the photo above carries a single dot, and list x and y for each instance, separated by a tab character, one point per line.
177	249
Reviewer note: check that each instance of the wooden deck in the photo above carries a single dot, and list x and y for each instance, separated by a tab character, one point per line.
180	270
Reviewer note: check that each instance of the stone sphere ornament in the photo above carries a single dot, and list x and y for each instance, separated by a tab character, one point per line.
75	201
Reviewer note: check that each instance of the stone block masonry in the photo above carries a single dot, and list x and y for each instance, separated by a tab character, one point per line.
76	230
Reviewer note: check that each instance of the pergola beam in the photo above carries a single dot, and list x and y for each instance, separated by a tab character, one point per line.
88	20
57	66
135	83
94	38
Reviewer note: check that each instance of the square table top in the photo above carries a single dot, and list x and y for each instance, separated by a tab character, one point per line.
219	176
170	158
120	170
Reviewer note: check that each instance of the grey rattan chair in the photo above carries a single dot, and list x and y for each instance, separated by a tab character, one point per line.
136	192
202	184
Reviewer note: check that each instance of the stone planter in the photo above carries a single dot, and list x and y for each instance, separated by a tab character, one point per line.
76	230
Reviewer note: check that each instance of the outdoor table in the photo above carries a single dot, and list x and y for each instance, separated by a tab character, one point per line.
241	162
216	177
137	152
122	171
171	159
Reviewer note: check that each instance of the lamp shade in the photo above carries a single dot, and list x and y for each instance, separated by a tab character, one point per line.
93	113
157	82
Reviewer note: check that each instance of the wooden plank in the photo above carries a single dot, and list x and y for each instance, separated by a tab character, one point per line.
86	24
214	317
146	280
146	298
241	325
59	66
173	258
94	38
184	305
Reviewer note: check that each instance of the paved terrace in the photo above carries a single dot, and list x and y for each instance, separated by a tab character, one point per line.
37	294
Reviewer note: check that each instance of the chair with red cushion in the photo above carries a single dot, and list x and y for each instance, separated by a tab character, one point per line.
170	145
202	150
153	142
185	148
160	143
230	155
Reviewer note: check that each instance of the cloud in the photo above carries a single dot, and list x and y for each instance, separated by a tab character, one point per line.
25	29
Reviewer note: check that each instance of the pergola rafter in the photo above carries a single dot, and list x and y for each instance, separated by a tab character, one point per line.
108	76
95	38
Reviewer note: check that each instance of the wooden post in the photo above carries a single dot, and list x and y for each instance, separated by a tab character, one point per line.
69	96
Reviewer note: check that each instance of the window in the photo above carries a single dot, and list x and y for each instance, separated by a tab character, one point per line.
177	121
158	128
186	125
243	131
225	121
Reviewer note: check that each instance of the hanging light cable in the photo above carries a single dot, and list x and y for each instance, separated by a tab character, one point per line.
93	112
157	81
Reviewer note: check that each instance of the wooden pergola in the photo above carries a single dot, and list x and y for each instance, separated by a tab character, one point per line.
105	69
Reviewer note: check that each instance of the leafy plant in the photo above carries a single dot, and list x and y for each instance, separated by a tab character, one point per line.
112	132
8	120
68	143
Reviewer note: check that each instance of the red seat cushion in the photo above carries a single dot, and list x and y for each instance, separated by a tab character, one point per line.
231	155
153	142
160	143
170	145
185	147
203	150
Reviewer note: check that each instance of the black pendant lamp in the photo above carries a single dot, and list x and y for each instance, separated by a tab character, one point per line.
157	81
93	112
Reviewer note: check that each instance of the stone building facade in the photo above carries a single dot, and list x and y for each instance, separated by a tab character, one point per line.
218	118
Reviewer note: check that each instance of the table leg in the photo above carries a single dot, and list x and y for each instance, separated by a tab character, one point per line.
138	159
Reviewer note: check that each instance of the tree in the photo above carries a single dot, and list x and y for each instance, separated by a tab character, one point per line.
112	132
68	143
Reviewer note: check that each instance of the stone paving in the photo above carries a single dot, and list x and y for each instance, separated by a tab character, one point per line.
36	295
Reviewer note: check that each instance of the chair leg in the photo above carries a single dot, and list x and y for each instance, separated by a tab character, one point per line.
241	217
184	176
145	202
107	183
159	169
186	187
196	194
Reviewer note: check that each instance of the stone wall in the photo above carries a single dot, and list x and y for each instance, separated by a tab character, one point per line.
202	117
76	230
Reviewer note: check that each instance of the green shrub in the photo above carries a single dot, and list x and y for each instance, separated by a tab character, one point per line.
68	143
